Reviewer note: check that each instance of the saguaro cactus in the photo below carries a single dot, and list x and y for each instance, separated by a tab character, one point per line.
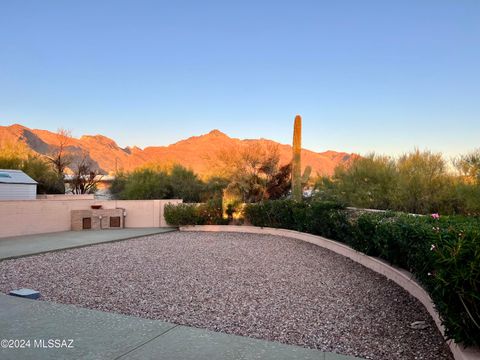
298	180
297	160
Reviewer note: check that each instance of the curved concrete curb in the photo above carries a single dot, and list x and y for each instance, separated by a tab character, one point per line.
400	276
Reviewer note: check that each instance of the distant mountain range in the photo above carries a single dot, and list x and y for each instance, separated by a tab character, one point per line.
195	152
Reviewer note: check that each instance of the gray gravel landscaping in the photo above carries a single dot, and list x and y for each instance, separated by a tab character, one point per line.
261	286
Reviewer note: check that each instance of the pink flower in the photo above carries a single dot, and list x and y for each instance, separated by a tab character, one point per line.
435	216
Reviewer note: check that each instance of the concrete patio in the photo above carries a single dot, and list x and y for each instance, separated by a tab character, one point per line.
101	335
26	245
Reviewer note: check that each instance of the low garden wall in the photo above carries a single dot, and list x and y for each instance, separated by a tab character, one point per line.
401	277
25	217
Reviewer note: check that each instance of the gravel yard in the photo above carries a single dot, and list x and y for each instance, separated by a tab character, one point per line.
261	286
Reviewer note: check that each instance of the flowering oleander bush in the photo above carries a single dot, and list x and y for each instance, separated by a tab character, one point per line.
442	252
454	280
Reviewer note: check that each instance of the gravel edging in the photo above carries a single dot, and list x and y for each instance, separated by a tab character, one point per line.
262	286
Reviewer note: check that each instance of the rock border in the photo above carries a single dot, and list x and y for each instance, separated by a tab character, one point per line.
402	277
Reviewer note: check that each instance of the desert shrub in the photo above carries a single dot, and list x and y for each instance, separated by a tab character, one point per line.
363	232
469	166
383	236
424	184
285	214
327	219
320	218
209	213
468	198
256	214
419	182
367	182
181	214
404	241
454	280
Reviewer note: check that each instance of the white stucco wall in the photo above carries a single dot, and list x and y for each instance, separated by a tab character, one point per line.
25	217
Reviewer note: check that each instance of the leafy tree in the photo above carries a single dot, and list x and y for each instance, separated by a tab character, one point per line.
48	180
146	184
185	184
159	183
118	184
249	169
19	157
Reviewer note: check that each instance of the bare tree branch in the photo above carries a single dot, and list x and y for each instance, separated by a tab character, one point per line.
60	157
85	177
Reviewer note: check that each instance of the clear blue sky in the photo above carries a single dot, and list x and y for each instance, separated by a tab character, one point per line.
365	75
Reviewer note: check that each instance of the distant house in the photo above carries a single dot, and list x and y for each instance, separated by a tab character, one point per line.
16	185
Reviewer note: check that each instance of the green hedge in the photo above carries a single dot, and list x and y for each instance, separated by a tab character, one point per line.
209	213
444	254
181	214
324	218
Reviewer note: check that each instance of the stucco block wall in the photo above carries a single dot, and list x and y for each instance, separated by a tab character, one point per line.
66	196
24	217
